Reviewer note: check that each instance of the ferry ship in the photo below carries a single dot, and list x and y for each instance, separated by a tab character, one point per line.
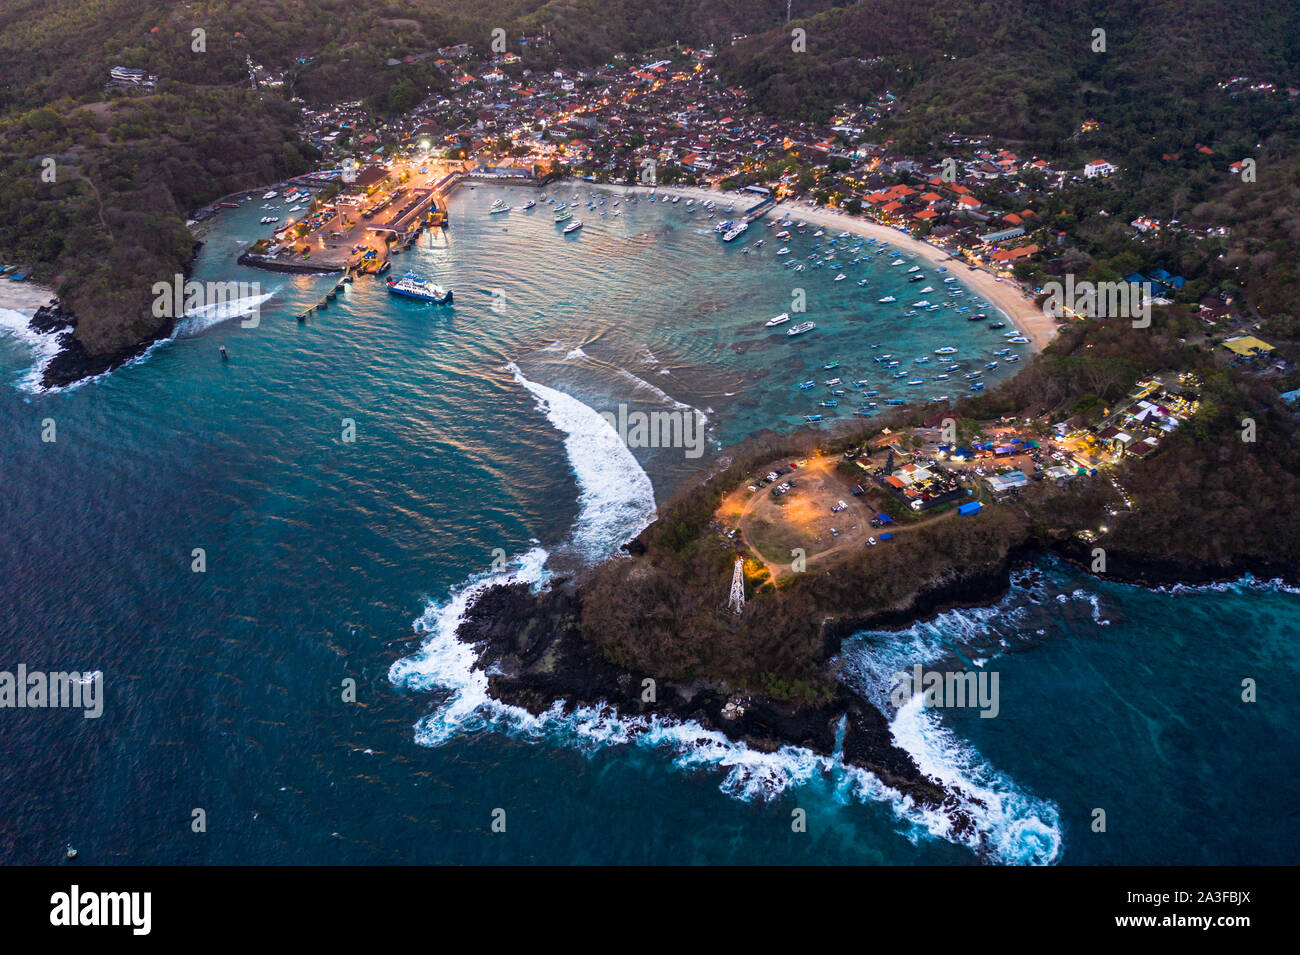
801	328
778	320
529	204
573	226
411	285
563	215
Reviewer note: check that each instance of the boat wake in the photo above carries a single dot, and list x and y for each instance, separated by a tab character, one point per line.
45	346
199	320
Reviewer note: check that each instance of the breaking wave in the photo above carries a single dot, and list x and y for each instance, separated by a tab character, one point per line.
616	501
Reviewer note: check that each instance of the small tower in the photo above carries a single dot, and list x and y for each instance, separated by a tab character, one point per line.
737	602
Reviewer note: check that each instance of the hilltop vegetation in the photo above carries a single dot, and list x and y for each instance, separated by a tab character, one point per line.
129	164
1208	505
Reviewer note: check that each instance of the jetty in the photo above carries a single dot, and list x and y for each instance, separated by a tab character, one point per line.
758	211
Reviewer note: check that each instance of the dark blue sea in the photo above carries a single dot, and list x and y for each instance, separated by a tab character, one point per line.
480	454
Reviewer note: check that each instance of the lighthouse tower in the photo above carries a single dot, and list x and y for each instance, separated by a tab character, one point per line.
737	602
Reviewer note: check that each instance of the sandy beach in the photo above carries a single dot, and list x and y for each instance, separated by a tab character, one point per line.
25	297
1005	294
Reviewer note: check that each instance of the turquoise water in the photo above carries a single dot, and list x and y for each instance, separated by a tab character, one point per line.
478	439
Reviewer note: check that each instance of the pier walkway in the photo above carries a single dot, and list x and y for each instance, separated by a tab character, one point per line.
760	210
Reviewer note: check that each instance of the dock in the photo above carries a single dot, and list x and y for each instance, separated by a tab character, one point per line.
758	211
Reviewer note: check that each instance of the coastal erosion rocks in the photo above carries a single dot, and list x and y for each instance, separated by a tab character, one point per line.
531	646
73	362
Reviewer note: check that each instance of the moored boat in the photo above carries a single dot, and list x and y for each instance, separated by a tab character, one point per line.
411	285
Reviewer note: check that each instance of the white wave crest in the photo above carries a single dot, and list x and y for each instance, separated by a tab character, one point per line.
1014	827
616	500
200	319
42	345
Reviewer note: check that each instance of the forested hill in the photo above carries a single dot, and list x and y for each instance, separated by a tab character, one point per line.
130	164
1026	70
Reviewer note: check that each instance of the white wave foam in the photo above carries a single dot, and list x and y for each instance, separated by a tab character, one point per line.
444	662
659	393
42	345
1245	584
197	320
1014	827
616	500
575	354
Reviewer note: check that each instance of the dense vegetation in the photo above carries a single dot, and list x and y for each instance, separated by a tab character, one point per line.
1208	503
128	164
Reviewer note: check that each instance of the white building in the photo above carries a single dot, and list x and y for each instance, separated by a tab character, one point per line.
1098	167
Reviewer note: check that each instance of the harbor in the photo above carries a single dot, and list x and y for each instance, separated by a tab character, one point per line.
372	215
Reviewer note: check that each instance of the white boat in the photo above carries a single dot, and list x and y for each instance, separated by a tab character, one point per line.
778	320
801	328
915	268
887	299
921	304
898	262
573	226
927	289
270	195
732	234
841	277
411	285
945	350
783	251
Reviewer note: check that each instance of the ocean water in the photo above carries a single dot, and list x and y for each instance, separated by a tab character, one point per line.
480	453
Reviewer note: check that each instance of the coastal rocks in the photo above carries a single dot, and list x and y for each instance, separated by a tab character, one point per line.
73	362
1167	570
531	647
52	318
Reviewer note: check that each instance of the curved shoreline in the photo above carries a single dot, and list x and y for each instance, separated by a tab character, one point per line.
1008	296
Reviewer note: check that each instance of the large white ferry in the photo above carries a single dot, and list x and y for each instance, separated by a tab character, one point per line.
411	285
801	328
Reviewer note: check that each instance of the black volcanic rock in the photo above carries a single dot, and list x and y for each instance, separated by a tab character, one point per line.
531	646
